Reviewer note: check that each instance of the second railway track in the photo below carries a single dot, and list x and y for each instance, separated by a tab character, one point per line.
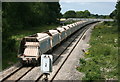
60	56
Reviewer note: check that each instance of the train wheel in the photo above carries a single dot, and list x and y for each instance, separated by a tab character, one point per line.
23	63
38	62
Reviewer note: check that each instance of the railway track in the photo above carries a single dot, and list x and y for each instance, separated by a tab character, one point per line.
78	39
60	56
17	74
66	56
7	73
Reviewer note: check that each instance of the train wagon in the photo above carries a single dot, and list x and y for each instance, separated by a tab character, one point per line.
55	37
33	46
62	33
31	52
44	41
68	33
71	28
74	27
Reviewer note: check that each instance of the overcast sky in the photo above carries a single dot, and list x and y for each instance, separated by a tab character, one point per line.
100	7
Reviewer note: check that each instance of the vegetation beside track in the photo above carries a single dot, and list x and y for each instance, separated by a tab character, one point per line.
102	59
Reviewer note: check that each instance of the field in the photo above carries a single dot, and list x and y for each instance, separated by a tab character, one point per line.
101	60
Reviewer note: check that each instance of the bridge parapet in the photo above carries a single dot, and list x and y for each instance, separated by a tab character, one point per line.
89	19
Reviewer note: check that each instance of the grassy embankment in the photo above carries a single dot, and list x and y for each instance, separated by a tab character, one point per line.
11	57
102	59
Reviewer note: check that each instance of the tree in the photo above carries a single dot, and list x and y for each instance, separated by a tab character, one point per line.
83	14
70	14
53	12
86	13
80	14
118	22
118	14
113	14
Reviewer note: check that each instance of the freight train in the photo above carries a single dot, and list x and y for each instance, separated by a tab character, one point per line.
31	47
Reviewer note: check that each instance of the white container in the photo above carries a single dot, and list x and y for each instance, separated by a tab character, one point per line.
46	63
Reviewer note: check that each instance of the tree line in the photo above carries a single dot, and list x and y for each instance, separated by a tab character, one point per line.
116	15
82	14
25	15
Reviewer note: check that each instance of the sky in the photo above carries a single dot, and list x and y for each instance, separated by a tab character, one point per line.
100	7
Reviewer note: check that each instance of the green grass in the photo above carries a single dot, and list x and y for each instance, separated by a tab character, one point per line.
10	58
103	54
